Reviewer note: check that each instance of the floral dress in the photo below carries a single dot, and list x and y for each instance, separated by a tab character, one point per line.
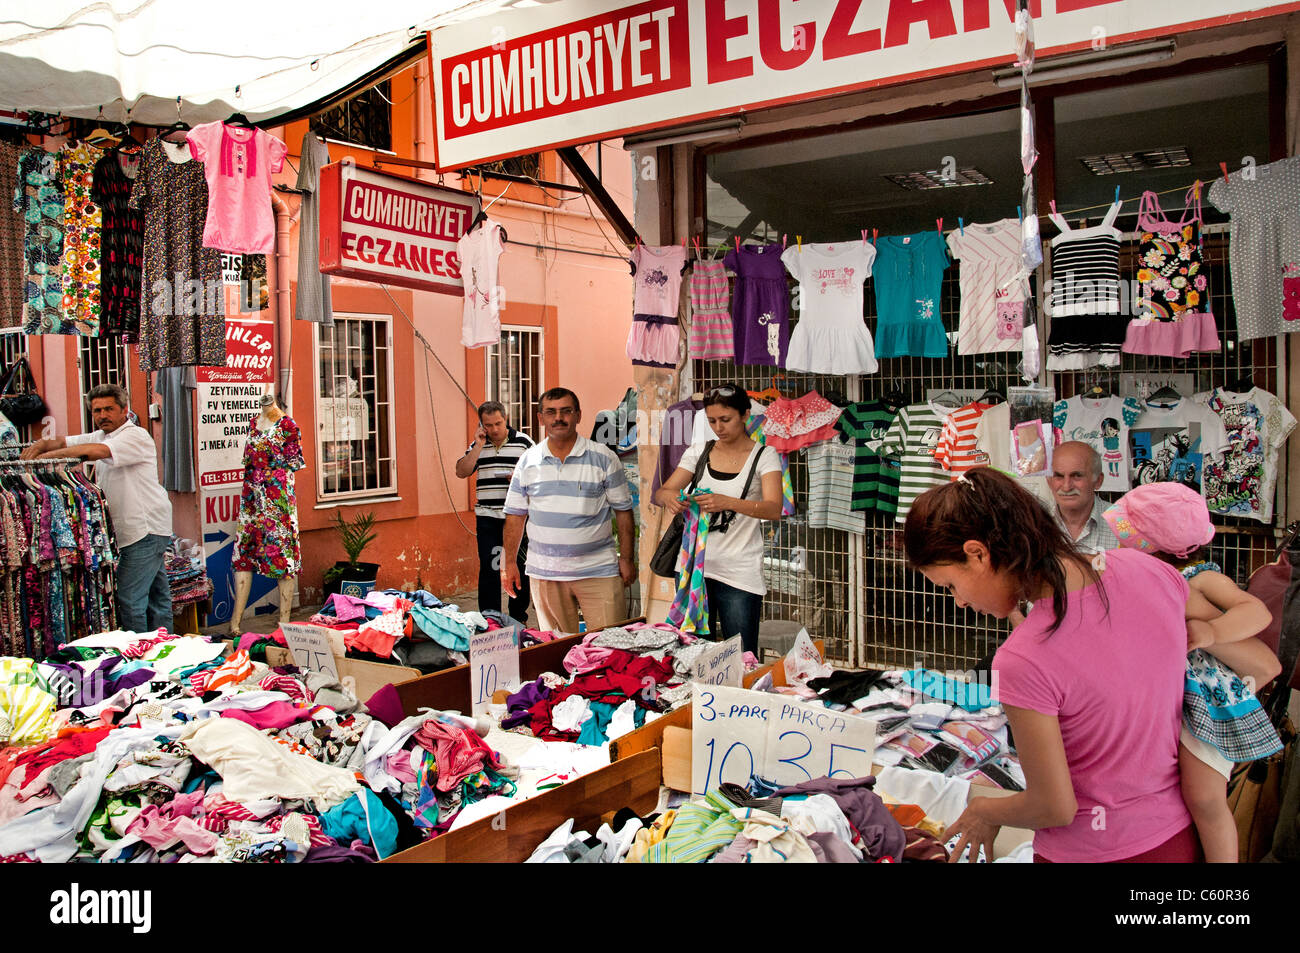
267	542
38	198
81	239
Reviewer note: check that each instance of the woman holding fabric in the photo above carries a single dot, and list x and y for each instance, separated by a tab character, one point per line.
1091	681
733	561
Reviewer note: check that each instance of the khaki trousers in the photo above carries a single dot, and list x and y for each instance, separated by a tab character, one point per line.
603	602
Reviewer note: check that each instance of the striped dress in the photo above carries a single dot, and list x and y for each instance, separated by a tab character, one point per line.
711	335
1087	326
913	437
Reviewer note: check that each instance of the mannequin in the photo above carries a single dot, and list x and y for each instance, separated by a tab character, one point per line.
267	541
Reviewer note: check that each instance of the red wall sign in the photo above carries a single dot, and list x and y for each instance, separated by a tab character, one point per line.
387	228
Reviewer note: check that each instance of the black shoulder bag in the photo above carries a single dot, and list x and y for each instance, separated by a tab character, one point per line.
664	561
18	398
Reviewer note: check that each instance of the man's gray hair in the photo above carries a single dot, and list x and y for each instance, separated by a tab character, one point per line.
115	391
492	407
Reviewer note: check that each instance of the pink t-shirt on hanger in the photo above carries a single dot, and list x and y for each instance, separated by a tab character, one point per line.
238	164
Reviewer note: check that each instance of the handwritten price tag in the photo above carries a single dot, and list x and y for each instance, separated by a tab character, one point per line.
493	664
310	647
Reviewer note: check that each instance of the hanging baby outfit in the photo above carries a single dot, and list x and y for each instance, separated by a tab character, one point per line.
908	275
1174	318
480	253
711	337
993	286
913	438
794	424
267	541
875	478
238	164
1257	425
760	306
1263	246
653	338
831	336
1087	326
1103	424
956	451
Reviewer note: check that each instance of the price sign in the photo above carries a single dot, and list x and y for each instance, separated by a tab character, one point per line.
720	665
493	664
310	647
737	733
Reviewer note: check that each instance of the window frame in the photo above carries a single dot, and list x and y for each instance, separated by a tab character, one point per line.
85	385
387	492
492	384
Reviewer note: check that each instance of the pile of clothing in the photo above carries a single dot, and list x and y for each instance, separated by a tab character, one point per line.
187	573
924	719
615	677
415	629
156	747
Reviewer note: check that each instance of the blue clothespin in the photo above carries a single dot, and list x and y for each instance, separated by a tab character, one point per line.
1117	193
1020	213
961	225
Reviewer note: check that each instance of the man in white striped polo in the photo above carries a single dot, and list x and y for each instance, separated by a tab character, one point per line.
564	489
496	449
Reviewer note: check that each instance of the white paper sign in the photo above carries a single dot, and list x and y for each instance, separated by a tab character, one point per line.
310	647
721	664
493	664
737	733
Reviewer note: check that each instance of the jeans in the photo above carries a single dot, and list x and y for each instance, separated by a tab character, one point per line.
734	612
491	557
144	596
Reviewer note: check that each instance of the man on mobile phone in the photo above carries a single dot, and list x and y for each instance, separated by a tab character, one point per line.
496	449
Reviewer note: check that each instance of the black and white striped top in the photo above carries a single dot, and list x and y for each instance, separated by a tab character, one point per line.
1085	298
494	467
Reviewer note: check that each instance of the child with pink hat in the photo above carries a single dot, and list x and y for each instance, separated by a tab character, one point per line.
1223	722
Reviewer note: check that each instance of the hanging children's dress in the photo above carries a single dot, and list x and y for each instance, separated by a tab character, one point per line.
993	286
1173	318
238	163
760	306
654	337
1263	245
480	254
711	337
908	275
1087	326
267	541
831	336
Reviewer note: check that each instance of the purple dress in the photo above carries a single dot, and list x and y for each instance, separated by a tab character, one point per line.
760	306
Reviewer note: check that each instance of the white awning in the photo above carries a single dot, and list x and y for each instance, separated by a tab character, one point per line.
259	57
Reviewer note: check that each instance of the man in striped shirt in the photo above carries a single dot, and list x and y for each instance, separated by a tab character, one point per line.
496	449
565	489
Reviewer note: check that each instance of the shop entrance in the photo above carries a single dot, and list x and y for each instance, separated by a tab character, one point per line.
900	175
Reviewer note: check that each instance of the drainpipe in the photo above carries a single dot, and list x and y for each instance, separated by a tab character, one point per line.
278	276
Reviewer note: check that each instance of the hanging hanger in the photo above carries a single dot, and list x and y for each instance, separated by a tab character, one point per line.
993	395
99	134
946	399
239	119
1165	395
1241	384
180	125
895	398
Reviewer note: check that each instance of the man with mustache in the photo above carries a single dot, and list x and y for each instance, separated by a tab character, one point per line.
1077	474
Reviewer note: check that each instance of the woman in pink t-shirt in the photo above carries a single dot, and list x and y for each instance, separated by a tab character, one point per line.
1091	681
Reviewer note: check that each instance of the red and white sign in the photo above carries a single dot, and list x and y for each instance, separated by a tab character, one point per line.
565	73
382	227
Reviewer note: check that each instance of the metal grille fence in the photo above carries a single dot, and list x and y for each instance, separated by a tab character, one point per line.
855	591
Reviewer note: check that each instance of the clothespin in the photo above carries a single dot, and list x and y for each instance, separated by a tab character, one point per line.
737	237
1117	193
696	240
799	240
1224	167
1020	213
938	223
1053	204
683	244
783	237
875	233
961	225
864	238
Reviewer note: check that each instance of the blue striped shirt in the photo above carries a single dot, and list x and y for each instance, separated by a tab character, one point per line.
568	506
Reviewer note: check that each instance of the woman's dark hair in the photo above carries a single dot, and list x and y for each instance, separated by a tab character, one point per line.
728	395
1022	538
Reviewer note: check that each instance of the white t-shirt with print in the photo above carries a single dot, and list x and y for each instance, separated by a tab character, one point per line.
1103	424
1171	444
736	556
1257	425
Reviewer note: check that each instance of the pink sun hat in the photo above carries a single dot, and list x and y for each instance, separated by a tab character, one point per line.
1161	517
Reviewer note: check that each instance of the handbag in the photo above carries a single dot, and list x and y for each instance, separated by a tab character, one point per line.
18	398
664	561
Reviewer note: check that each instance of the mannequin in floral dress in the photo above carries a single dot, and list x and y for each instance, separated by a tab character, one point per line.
267	541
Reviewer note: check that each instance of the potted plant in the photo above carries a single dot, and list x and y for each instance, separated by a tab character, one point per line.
351	576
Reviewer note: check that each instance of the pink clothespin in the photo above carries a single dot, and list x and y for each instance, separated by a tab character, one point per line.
1224	167
875	233
783	237
1053	204
737	237
938	223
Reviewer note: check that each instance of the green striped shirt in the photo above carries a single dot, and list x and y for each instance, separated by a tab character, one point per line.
912	438
875	478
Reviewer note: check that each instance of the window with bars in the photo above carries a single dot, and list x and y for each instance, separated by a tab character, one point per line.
514	376
364	120
100	361
355	438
